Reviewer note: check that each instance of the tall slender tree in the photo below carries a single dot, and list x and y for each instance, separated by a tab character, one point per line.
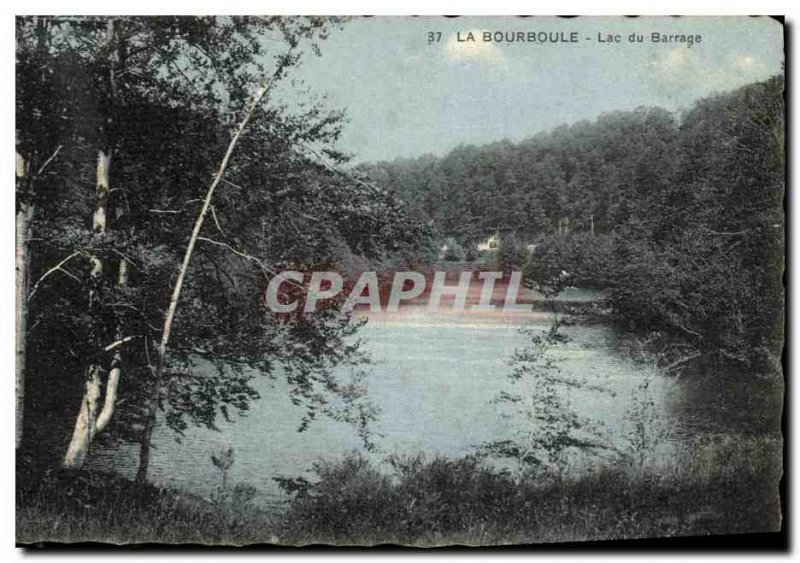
161	98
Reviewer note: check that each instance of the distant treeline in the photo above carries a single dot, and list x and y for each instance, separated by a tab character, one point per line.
679	217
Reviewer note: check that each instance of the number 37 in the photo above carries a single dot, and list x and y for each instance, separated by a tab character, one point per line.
434	37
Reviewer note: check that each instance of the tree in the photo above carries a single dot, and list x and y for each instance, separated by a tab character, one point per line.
36	149
512	255
543	425
169	317
163	107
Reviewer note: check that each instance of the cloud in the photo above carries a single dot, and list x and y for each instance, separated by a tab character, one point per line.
677	64
684	66
477	51
678	60
744	62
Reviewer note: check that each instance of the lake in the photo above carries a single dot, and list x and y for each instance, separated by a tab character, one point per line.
433	377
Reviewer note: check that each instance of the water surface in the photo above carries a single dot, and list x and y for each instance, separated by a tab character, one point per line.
433	377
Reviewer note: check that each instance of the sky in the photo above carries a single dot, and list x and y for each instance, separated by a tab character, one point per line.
405	97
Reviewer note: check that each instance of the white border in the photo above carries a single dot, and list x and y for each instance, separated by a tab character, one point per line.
281	7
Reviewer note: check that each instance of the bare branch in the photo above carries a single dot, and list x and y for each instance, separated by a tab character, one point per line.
56	268
48	161
175	211
237	186
266	270
681	361
147	355
216	221
120	342
124	257
726	234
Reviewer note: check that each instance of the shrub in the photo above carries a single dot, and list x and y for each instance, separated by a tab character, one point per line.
445	501
512	255
454	252
543	427
585	258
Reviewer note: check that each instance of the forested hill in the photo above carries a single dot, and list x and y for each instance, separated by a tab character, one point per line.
678	217
624	167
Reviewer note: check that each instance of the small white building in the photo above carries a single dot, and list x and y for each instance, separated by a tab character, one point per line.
491	243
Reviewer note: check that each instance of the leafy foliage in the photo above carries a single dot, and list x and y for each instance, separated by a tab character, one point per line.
161	95
542	425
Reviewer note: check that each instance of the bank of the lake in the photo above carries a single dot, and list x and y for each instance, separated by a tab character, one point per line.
433	377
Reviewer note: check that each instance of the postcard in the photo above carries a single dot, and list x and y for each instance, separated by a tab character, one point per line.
421	281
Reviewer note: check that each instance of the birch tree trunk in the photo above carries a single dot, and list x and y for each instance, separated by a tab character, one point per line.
86	424
23	221
89	422
112	383
169	317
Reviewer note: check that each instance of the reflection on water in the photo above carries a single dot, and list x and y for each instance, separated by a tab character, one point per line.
722	400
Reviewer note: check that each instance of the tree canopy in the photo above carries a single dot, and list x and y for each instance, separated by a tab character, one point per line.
157	100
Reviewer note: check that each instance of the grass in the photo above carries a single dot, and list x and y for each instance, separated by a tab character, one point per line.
76	506
719	485
709	491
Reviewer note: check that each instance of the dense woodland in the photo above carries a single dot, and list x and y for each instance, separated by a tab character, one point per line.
678	217
121	126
